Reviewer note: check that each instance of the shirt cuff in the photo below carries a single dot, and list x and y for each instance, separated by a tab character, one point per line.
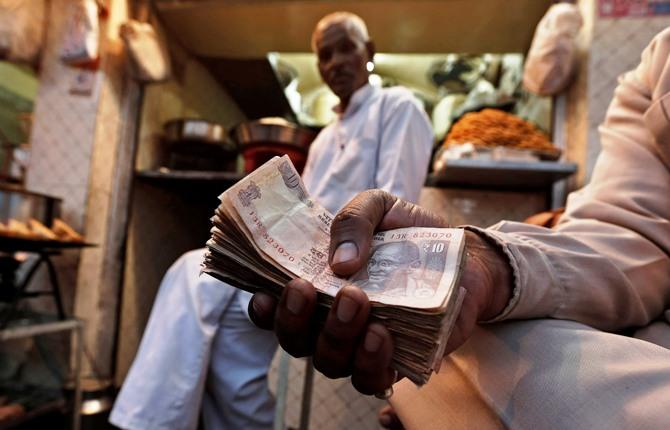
502	245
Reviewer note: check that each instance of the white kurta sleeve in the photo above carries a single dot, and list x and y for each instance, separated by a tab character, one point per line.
607	263
404	150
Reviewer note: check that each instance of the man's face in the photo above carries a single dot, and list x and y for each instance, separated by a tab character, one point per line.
342	60
384	263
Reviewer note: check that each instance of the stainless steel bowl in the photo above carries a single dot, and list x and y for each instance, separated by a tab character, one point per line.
200	131
273	131
22	205
196	144
194	129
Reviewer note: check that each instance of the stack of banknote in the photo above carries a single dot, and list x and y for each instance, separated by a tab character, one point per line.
267	231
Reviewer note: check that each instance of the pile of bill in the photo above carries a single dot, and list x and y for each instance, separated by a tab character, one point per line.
268	231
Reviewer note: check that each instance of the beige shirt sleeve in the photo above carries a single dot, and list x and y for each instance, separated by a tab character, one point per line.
607	263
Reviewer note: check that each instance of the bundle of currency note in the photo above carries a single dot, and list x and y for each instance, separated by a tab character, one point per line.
267	231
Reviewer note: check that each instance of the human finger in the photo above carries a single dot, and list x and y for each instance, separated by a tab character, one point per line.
389	419
372	372
262	310
344	326
373	210
294	318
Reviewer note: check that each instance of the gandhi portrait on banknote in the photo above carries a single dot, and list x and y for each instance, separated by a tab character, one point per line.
394	270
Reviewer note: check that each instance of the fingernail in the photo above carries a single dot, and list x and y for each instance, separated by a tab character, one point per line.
345	251
372	341
295	302
346	309
256	304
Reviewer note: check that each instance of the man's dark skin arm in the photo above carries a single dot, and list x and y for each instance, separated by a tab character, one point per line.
348	344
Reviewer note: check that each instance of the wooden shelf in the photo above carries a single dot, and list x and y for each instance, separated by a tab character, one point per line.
180	176
515	175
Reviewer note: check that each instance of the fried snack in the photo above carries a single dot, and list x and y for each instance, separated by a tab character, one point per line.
40	230
11	412
65	232
17	228
493	127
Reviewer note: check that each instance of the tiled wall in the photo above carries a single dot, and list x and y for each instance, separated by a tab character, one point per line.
63	128
76	141
335	404
606	48
62	139
615	48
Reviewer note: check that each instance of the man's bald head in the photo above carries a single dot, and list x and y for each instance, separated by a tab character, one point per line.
343	49
352	22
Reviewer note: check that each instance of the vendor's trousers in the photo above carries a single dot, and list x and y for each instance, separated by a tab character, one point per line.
544	375
199	352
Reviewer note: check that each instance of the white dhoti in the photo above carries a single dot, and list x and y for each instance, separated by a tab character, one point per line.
543	374
194	318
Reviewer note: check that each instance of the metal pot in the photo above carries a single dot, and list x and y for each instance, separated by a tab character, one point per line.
194	129
22	205
262	139
275	130
196	144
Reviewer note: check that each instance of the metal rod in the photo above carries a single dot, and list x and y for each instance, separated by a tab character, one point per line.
76	327
37	329
31	272
55	287
76	411
306	406
282	390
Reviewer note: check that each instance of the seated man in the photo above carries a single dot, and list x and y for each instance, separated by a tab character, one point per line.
198	338
604	268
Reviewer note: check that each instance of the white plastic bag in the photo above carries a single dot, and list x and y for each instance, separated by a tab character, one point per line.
150	60
80	44
22	25
551	59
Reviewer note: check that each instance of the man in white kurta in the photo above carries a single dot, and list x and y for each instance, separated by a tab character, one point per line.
199	347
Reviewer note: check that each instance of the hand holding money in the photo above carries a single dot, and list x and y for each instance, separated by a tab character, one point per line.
486	277
267	232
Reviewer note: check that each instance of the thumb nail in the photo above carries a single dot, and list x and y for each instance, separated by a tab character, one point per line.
346	251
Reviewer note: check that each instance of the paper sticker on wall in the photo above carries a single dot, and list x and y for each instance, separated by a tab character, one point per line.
632	8
83	82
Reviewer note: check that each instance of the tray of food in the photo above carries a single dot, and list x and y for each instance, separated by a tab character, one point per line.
34	236
492	129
